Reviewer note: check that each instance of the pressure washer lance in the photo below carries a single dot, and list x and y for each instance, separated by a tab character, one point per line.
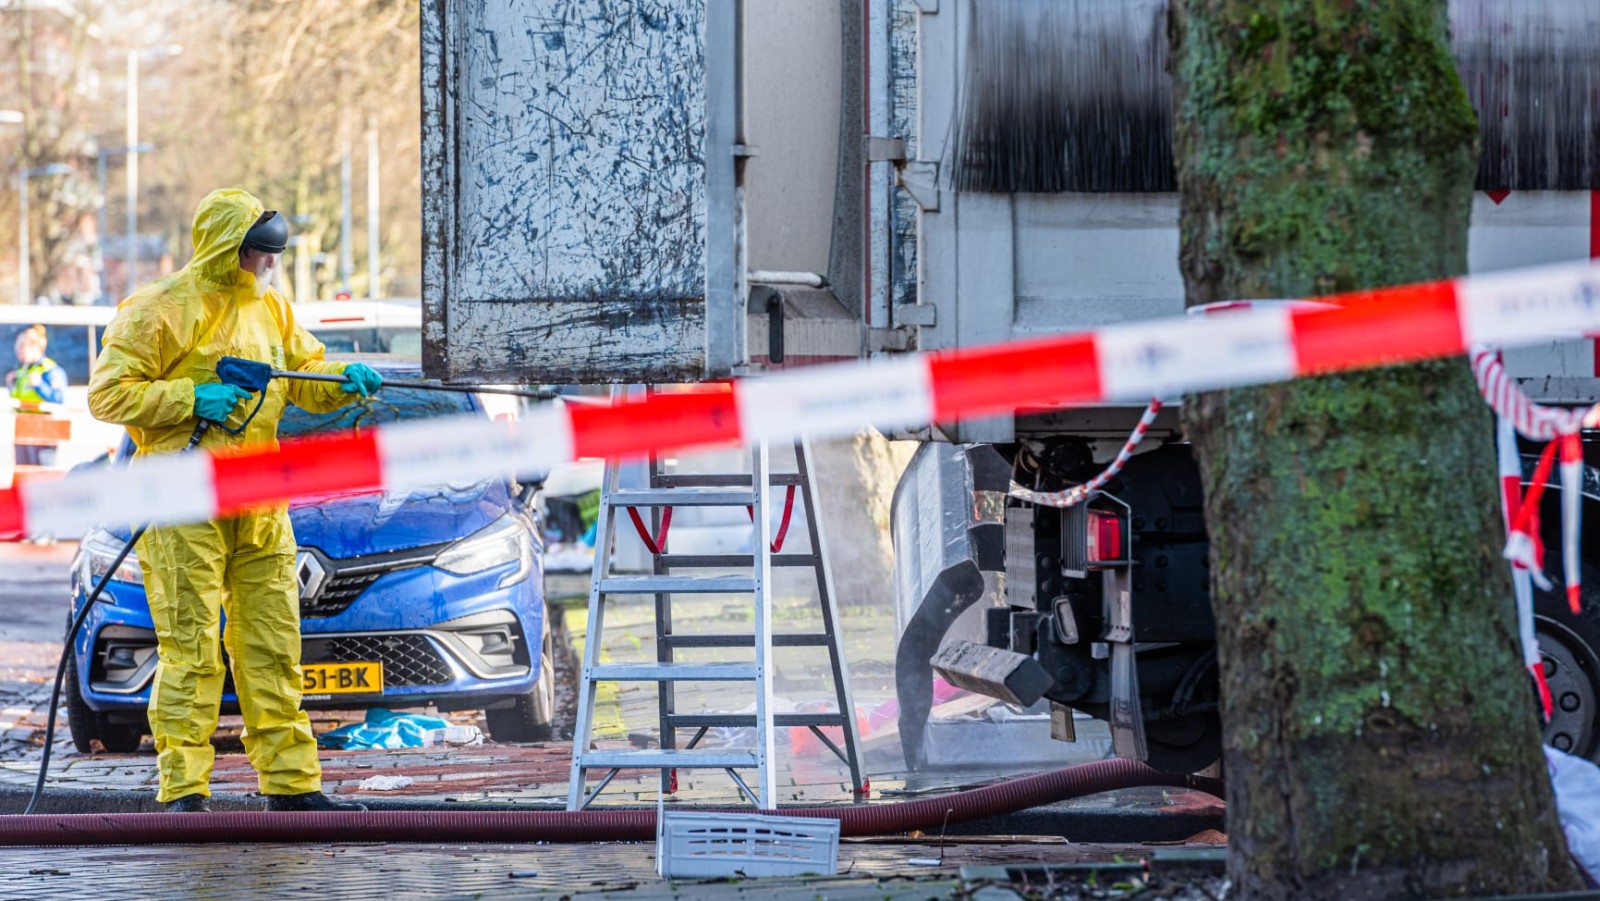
253	376
200	430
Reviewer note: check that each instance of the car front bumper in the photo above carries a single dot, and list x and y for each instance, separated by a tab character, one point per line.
470	646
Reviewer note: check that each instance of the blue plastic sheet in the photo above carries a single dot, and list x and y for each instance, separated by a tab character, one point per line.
383	729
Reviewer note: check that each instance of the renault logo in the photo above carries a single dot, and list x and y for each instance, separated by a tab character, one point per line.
310	573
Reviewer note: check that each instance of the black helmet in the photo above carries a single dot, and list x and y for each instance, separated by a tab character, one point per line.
270	234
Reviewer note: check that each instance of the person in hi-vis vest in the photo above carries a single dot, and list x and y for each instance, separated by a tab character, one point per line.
36	380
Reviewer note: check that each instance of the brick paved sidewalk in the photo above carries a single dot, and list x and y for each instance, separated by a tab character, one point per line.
869	870
536	775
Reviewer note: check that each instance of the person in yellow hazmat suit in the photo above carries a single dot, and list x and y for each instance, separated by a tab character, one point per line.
158	377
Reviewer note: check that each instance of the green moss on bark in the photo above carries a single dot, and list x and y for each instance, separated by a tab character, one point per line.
1378	735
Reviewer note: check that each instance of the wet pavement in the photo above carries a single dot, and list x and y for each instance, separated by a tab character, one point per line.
495	775
867	870
33	586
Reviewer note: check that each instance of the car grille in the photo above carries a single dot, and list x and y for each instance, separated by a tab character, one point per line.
344	580
407	659
339	593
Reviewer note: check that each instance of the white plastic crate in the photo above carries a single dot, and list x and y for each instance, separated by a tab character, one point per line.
697	845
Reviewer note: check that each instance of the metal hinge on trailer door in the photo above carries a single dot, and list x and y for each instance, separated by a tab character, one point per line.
920	179
880	150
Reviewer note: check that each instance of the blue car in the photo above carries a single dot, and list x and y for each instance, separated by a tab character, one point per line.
429	598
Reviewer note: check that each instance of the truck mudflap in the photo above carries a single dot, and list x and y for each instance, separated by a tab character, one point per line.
948	524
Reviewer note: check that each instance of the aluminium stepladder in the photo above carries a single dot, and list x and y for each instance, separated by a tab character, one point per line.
753	580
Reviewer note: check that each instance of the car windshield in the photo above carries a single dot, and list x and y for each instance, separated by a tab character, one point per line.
388	405
400	341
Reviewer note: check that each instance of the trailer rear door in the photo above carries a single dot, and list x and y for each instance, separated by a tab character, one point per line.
581	212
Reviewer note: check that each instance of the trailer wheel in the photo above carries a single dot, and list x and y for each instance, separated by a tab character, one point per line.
1187	745
1570	646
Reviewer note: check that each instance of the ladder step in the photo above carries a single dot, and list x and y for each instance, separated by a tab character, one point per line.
732	560
731	480
669	671
655	759
683	497
744	641
735	720
677	584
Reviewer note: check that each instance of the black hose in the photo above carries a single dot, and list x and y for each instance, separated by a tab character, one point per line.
72	634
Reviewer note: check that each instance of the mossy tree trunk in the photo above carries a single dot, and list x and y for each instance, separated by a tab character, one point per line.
1379	737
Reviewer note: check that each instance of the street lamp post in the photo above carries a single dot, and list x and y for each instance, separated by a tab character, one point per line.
22	235
372	209
133	158
23	280
100	225
131	254
346	239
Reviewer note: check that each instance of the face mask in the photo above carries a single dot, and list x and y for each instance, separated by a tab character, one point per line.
264	279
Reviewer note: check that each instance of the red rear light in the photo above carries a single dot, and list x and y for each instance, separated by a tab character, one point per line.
1105	537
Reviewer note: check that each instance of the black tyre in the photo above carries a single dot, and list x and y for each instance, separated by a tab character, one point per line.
88	725
531	718
1188	745
1570	646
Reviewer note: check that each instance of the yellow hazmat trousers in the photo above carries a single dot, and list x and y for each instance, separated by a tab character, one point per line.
164	340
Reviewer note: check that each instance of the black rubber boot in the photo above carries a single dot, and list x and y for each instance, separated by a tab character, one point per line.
310	801
189	804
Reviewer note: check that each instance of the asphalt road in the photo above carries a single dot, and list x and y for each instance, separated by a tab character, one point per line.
33	592
34	583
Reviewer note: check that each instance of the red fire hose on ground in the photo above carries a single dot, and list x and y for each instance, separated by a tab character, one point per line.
563	826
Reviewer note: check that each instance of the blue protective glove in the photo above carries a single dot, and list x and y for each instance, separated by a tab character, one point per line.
362	378
214	401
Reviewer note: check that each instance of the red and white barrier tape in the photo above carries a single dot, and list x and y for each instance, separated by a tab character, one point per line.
1122	363
1521	572
1077	494
1572	518
1533	421
1560	427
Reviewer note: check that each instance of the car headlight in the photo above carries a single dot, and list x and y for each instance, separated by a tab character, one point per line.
96	554
506	540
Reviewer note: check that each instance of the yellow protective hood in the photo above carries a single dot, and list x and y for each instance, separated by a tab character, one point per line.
171	334
220	223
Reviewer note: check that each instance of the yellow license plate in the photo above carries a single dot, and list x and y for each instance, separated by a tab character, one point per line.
342	678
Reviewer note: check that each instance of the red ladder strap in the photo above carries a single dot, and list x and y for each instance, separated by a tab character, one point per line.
783	524
658	544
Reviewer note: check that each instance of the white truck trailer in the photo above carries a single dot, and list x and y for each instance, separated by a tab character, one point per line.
680	190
